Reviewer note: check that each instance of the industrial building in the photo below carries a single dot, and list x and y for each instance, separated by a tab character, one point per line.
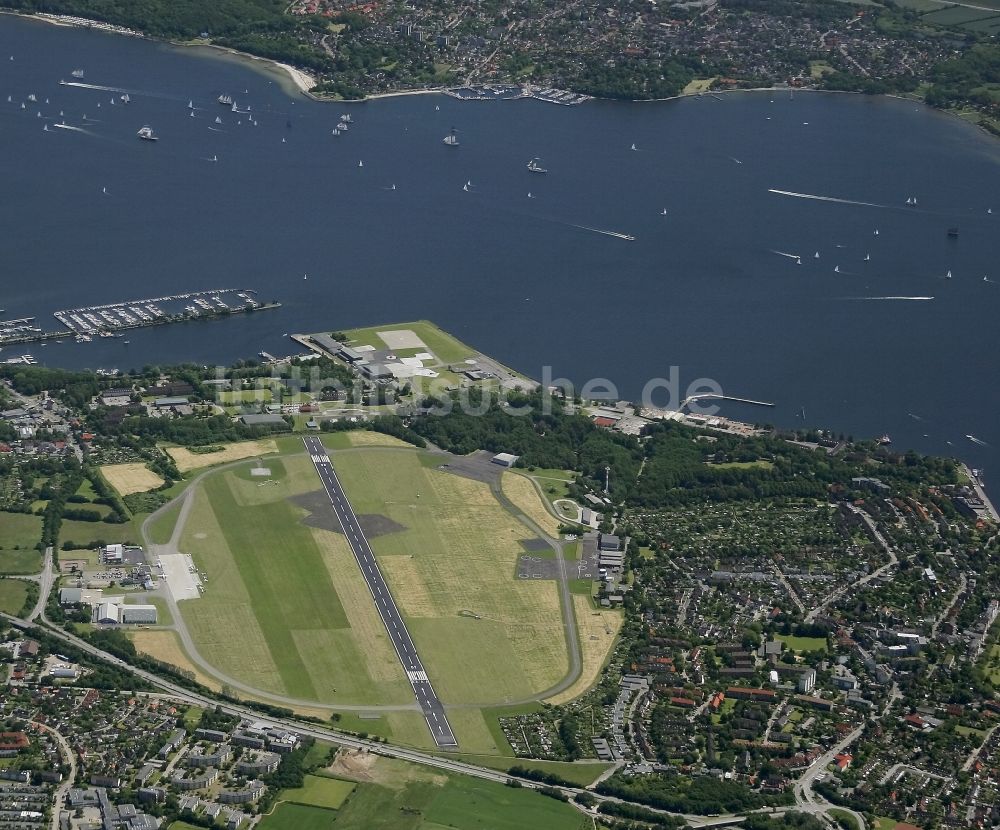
505	459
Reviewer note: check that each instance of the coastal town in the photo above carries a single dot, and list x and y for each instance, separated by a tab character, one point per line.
636	50
769	620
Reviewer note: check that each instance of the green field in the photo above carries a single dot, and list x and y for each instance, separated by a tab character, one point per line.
19	530
299	817
281	589
20	561
456	558
803	644
329	793
13	594
161	528
421	800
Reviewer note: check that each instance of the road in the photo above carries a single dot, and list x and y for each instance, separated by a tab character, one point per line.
430	704
809	802
64	787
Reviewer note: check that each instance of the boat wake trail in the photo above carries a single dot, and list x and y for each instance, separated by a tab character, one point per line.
888	298
834	199
73	129
616	234
122	90
784	254
975	440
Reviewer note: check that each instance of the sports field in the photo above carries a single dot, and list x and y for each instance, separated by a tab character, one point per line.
279	588
130	478
484	636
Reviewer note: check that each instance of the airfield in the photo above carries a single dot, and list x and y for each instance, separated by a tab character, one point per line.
285	615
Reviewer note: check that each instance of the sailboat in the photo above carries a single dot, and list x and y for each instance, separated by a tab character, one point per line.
437	108
393	187
334	131
305	276
836	269
283	141
988	210
45	128
361	163
663	212
215	158
467	185
633	147
126	98
529	195
191	105
868	257
76	73
32	98
798	260
146	134
218	119
816	255
948	275
876	231
191	114
451	139
535	167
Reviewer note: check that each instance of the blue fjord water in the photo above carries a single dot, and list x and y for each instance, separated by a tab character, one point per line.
533	281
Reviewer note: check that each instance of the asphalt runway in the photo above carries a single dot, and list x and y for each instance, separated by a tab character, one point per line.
430	705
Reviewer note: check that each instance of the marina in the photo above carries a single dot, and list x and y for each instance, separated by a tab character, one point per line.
109	320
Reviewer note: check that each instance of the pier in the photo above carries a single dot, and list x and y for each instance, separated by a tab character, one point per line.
716	396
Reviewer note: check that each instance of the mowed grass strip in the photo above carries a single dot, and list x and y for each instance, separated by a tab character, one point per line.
285	576
598	630
522	493
288	816
456	559
316	791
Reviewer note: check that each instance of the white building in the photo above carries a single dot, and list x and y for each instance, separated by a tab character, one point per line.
114	553
505	459
107	613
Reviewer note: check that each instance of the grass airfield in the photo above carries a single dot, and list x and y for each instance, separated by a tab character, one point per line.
283	585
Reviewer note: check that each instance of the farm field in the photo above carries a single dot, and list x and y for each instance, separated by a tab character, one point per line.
20	561
288	816
130	478
187	460
484	636
19	530
13	594
281	588
393	795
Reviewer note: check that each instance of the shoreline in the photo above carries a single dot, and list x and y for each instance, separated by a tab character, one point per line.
303	82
